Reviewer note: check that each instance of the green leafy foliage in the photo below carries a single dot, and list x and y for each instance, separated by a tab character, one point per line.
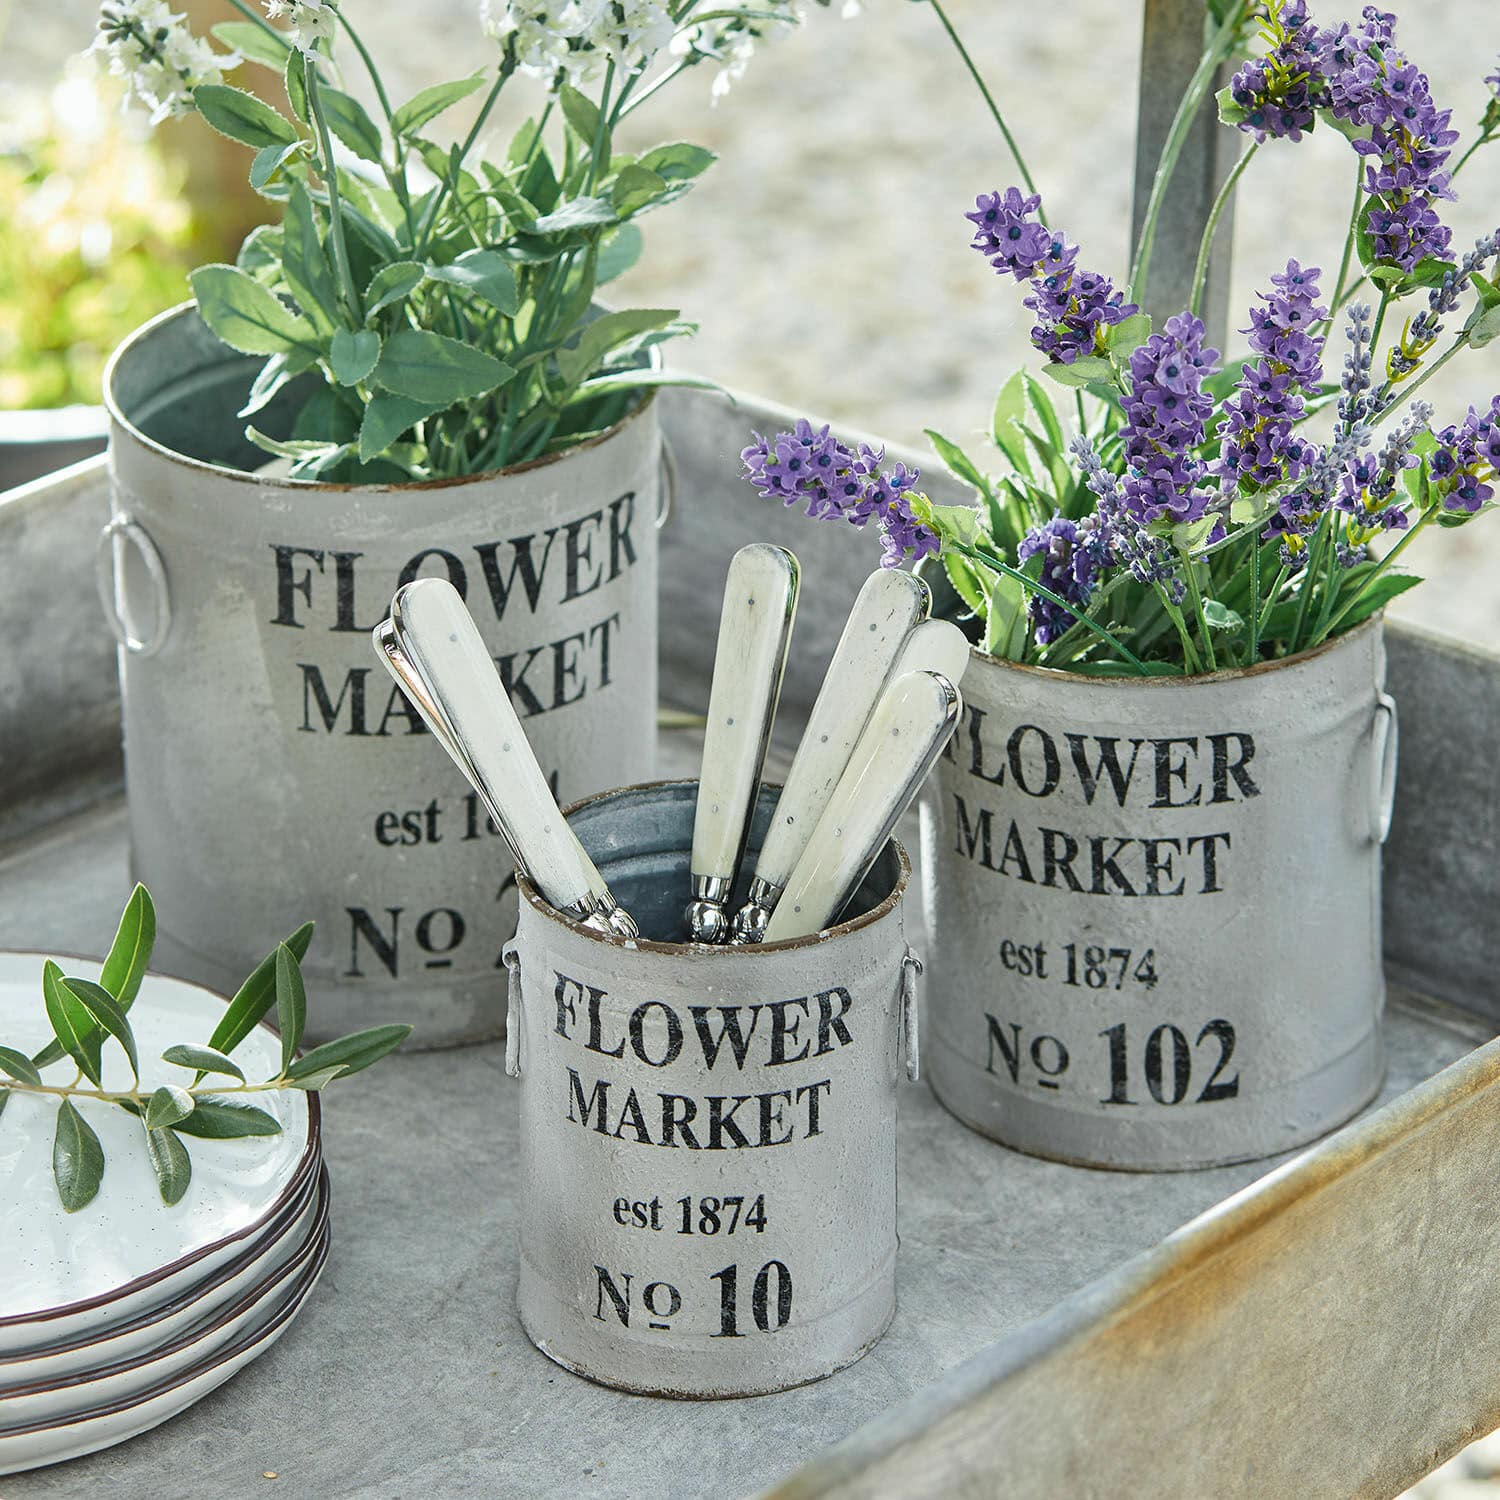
85	1014
454	314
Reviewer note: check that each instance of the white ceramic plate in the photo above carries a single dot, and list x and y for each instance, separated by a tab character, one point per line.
70	1274
60	1398
195	1308
103	1426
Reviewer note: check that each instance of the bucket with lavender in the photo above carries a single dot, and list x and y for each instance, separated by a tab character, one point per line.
1178	739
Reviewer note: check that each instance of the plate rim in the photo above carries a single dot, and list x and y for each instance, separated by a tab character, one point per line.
244	1303
231	1351
292	1213
311	1153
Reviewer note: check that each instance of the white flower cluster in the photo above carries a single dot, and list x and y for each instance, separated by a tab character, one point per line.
730	41
161	62
311	21
571	40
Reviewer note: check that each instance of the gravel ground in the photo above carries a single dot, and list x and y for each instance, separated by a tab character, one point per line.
826	255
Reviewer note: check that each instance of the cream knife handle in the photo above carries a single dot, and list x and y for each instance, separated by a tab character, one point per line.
444	647
755	627
889	606
935	646
911	724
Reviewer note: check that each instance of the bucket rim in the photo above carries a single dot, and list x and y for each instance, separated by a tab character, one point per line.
876	913
118	420
1205	679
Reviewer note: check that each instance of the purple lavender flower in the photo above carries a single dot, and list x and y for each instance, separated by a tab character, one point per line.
1371	83
1167	412
807	466
1279	93
1074	553
1073	307
1006	234
1149	558
1467	461
1259	446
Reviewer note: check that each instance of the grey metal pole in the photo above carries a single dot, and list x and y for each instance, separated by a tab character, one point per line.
1172	44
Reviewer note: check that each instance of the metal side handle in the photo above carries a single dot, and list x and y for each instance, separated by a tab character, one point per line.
1387	744
109	575
512	960
911	1041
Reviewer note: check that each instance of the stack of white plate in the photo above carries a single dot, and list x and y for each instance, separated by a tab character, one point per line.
120	1315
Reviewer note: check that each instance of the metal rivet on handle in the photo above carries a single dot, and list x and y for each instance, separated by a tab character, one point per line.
512	960
911	969
1387	746
111	589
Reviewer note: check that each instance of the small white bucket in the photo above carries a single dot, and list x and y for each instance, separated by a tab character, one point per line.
1154	907
708	1135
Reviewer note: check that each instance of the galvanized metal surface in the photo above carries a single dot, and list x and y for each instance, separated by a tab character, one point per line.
708	1135
415	1376
266	751
36	444
1155	908
423	1378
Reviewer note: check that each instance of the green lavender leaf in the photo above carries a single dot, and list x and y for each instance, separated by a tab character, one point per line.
351	1053
167	1106
256	995
202	1060
77	1159
171	1163
217	1119
956	459
72	1024
291	1004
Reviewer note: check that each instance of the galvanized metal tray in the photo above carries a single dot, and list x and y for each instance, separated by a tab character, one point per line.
1319	1329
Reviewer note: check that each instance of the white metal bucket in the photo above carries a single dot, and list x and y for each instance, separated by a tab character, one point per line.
708	1135
1154	907
274	773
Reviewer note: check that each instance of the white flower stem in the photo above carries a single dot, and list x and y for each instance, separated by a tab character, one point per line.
331	181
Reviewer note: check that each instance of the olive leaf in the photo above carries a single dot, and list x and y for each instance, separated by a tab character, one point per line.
105	1012
256	995
291	1004
168	1106
77	1159
72	1024
171	1163
203	1060
219	1119
350	1054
